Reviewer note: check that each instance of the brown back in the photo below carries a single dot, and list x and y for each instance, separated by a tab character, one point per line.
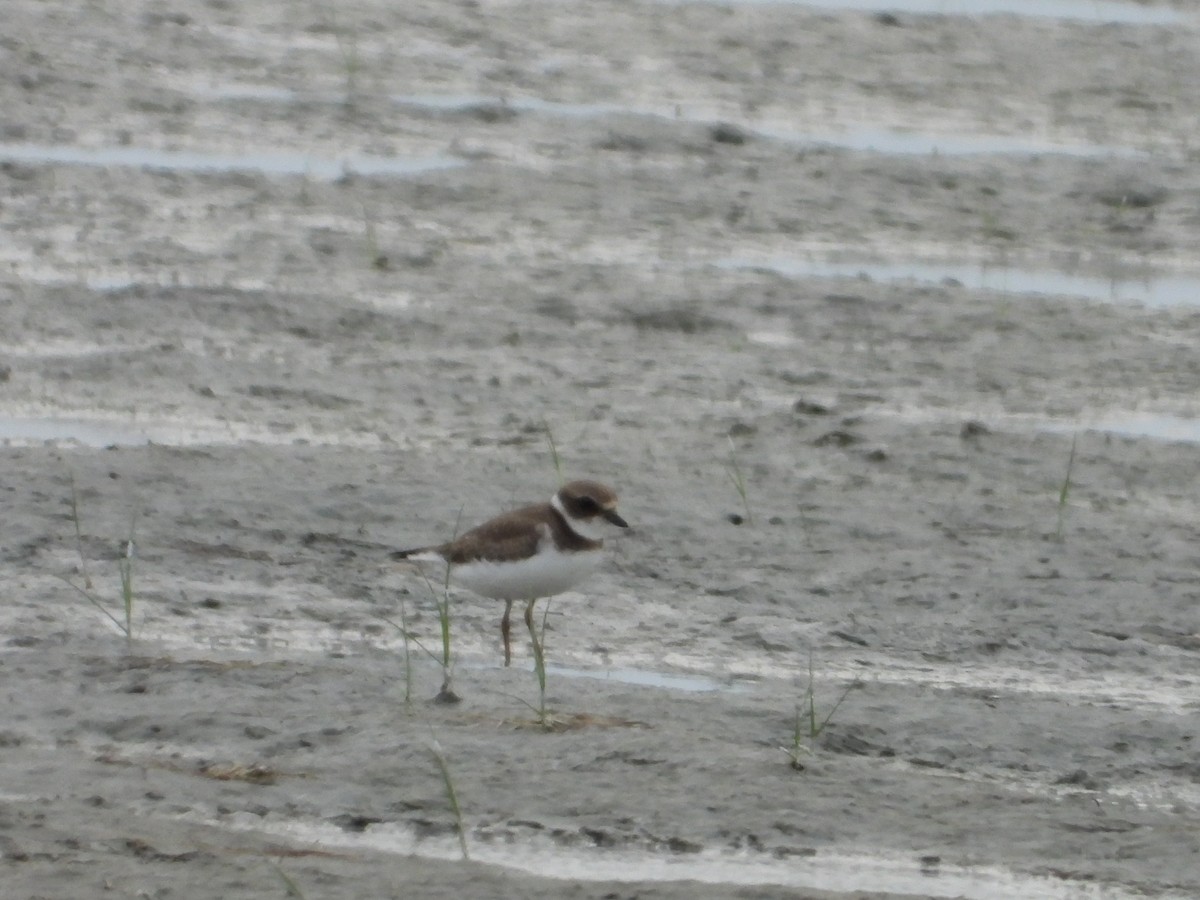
514	535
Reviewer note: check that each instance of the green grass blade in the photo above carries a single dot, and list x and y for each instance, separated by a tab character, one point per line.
451	795
539	661
289	885
1065	492
87	581
734	471
96	603
553	451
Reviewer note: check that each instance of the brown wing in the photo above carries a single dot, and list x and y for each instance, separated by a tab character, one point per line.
511	536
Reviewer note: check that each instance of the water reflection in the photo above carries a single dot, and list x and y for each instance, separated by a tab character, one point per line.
1082	10
268	162
1150	289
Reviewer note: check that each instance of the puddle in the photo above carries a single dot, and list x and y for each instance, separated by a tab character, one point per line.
1149	290
67	348
451	102
916	143
838	871
294	639
1162	428
1156	426
464	102
259	92
1105	11
187	431
778	338
76	431
267	162
109	284
667	681
1174	689
880	140
24	265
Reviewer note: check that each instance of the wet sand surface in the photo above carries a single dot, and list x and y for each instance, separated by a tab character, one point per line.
285	287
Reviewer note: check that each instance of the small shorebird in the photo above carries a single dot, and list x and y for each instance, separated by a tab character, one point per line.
533	552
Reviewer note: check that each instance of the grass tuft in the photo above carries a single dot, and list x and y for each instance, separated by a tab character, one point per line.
124	567
808	726
441	600
734	471
543	717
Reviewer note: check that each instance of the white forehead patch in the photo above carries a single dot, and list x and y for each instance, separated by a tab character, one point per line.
597	528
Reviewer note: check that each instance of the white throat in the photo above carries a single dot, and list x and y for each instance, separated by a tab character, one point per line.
590	529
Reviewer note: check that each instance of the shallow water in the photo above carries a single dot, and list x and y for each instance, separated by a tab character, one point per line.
269	162
878	140
645	678
911	142
90	428
226	636
77	431
1149	289
228	633
114	432
1136	424
867	138
1175	691
829	870
1082	10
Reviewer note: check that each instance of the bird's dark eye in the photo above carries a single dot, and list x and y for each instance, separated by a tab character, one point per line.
587	505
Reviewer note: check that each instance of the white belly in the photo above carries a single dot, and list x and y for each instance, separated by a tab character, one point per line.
542	575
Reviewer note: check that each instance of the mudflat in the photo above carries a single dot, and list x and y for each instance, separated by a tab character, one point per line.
882	323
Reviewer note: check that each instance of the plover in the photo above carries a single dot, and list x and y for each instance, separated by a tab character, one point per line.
533	552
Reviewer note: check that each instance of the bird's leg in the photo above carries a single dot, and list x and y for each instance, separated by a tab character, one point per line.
505	627
537	645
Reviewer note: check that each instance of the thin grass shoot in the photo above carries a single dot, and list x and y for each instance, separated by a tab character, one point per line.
539	664
377	258
124	567
347	43
734	471
289	884
1064	492
451	795
87	581
408	640
554	452
441	600
95	601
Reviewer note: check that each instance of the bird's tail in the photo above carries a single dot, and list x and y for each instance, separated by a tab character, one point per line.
405	554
